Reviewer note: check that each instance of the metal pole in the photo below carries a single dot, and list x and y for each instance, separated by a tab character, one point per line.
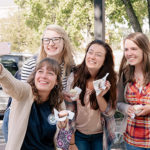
99	19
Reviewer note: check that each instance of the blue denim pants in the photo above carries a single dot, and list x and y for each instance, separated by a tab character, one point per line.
5	124
89	142
131	147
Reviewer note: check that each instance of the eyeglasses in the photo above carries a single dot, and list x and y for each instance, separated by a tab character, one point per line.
55	40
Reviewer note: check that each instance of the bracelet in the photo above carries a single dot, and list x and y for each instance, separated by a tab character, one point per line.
72	143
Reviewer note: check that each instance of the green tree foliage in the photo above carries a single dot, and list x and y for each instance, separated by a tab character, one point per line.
121	19
75	16
116	11
14	30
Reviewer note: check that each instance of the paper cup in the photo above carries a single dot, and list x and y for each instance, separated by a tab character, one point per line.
137	108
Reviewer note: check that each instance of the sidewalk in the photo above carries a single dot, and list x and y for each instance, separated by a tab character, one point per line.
120	145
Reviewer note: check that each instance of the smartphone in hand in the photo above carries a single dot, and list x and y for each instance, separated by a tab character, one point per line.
5	48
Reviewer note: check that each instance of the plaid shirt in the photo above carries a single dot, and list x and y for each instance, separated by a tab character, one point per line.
138	129
108	121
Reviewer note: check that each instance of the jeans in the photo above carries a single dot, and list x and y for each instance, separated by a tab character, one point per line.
131	147
89	142
5	124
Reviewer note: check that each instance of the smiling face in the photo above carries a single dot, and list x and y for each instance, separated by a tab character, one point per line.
53	49
95	58
45	80
133	54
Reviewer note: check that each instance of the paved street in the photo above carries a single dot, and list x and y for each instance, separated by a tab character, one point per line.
120	145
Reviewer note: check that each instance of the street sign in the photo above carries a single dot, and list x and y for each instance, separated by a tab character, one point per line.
5	48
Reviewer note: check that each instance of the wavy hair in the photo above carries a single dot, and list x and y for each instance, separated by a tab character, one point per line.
142	41
55	97
82	75
67	52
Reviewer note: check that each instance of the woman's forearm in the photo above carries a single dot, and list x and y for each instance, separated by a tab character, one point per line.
11	85
101	103
72	141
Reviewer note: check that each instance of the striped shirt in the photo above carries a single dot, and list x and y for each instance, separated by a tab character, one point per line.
29	67
138	129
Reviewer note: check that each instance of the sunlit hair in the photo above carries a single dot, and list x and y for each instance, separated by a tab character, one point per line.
82	75
142	41
67	52
55	96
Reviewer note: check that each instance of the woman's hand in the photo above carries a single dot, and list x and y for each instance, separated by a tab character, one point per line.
103	92
62	124
73	147
100	99
145	110
130	111
68	97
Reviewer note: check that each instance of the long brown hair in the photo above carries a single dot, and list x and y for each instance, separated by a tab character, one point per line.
55	97
82	75
142	41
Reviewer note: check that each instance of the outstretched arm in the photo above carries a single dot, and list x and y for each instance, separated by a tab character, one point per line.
12	86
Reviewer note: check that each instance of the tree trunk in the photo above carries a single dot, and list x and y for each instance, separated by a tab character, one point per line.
132	16
148	6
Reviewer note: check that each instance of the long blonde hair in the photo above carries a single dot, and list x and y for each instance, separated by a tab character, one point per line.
67	53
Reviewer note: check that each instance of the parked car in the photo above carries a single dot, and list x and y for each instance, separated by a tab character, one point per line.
12	62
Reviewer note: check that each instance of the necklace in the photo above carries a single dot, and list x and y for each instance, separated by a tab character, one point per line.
139	84
139	79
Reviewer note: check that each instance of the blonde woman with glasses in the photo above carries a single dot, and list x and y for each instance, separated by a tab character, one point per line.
55	44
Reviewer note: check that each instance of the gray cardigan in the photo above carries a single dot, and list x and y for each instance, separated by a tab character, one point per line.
122	104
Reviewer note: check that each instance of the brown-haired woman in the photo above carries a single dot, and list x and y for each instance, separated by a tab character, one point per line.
90	108
134	91
32	124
